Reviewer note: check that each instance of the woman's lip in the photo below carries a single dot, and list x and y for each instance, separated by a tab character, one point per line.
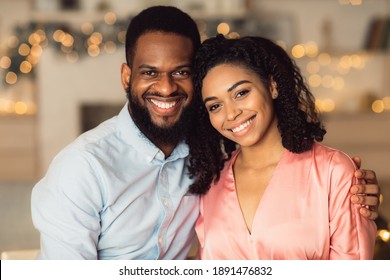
242	126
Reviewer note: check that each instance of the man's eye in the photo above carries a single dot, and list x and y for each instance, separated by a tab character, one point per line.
182	74
149	73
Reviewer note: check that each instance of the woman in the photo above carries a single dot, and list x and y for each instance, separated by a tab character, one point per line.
281	194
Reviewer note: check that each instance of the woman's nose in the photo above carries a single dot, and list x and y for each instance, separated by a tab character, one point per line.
232	111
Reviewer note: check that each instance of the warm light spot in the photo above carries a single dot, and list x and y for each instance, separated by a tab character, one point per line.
223	28
110	47
3	104
24	49
342	70
298	51
32	59
324	59
93	50
20	108
314	80
386	102
25	67
339	83
11	78
65	49
122	37
110	18
72	57
345	62
384	235
96	38
328	105
6	106
87	28
42	35
313	67
34	39
282	44
311	49
36	51
67	40
31	108
357	61
234	35
5	62
58	35
377	106
356	2
327	81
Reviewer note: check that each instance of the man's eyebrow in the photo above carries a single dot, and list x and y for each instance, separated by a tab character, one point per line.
146	66
181	66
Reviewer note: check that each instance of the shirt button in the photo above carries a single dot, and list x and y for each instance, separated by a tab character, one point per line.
160	240
165	202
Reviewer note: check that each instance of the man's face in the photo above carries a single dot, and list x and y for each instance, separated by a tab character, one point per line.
159	83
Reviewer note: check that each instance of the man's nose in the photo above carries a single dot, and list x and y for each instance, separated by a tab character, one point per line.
165	84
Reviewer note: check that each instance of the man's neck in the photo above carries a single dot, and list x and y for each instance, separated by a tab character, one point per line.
166	149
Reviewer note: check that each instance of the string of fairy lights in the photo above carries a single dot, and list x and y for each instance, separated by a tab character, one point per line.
25	48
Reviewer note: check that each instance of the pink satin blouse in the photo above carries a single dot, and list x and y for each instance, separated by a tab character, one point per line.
305	213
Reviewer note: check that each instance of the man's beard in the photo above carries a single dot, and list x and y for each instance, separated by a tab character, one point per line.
157	134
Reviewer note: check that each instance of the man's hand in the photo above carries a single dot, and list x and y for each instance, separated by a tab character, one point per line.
367	194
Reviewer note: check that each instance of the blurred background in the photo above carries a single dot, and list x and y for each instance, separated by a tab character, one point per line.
60	75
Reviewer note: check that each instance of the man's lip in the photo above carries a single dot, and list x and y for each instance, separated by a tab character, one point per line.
169	106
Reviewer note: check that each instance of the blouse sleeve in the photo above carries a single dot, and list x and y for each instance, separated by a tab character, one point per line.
352	236
199	228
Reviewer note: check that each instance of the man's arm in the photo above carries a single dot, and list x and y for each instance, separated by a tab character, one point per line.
367	193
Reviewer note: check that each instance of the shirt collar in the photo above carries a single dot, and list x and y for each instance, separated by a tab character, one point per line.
131	134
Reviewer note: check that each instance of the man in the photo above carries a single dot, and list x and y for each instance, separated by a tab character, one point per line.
120	191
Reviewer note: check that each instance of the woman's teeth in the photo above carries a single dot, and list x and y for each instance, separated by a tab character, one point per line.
243	126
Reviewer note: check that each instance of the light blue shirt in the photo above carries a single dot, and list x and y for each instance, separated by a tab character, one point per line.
111	194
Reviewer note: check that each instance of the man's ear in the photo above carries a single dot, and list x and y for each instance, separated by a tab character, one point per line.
125	76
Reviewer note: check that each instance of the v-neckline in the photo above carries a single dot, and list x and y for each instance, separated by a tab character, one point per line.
242	218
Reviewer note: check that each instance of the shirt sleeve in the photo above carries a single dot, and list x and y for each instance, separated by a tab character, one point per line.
352	236
65	208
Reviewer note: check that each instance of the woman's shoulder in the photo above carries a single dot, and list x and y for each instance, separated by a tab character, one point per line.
333	156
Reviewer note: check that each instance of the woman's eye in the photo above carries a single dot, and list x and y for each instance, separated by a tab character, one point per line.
242	93
213	107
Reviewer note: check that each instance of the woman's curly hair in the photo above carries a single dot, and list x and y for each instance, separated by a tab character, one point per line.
298	121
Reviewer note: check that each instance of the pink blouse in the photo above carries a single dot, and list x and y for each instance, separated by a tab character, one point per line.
305	213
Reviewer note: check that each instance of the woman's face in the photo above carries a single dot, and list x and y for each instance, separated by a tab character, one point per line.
239	105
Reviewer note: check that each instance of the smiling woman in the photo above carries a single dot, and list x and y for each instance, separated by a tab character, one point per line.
255	99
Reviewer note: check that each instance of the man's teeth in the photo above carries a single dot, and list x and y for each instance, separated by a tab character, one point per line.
243	126
163	105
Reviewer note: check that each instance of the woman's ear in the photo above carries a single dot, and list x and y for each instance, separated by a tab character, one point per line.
125	76
273	90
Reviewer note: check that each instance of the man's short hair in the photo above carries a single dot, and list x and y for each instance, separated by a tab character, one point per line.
164	19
